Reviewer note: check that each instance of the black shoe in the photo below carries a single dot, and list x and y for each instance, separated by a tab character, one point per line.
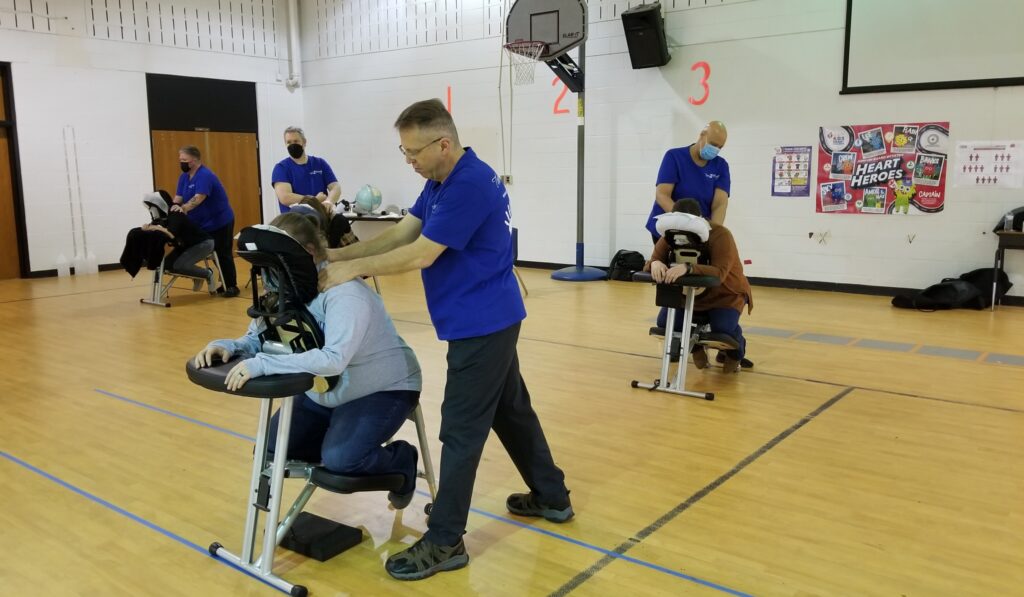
426	559
526	504
745	363
400	499
231	292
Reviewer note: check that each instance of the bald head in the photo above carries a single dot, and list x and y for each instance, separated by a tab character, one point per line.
715	133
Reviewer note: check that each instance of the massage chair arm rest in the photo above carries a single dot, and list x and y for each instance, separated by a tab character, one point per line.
266	386
682	281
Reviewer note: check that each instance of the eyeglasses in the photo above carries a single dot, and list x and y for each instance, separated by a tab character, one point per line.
412	153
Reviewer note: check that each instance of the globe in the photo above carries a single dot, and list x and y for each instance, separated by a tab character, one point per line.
367	199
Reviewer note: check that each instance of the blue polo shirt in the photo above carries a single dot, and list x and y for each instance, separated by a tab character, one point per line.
214	212
306	179
691	180
470	288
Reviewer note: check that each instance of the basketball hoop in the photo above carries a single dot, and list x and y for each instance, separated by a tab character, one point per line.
522	55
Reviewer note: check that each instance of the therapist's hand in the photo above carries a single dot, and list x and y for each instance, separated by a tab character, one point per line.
336	273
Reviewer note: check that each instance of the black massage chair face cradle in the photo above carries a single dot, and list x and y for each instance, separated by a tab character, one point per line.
687	247
289	278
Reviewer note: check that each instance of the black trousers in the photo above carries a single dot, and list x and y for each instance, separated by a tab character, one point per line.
485	391
223	243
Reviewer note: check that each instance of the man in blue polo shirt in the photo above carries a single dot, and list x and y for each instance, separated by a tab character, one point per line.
459	233
202	197
697	172
301	174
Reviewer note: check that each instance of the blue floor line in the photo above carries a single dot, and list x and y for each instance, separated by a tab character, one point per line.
484	513
177	416
133	517
612	554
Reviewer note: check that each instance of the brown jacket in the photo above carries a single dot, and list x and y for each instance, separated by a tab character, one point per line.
725	265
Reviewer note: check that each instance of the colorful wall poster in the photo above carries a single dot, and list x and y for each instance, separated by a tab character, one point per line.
791	171
883	168
989	164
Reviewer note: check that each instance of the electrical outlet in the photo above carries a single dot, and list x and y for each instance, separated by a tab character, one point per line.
506	178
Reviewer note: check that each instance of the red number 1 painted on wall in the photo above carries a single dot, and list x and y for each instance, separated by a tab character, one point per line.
703	82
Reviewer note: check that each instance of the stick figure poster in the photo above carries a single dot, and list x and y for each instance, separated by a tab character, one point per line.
791	171
883	168
989	164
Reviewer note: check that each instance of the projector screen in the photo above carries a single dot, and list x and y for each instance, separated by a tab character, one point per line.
905	45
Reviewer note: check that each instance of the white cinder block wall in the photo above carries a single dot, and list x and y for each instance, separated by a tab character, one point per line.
83	63
776	72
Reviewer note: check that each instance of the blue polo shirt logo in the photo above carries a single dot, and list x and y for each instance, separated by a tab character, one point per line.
471	290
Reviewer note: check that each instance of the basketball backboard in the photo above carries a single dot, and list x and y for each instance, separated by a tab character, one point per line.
561	24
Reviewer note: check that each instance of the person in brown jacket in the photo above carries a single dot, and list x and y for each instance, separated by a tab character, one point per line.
722	305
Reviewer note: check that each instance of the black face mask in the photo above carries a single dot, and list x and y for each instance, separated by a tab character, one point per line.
185	166
295	150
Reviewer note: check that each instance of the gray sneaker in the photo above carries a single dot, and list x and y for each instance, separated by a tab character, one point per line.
526	504
426	559
211	281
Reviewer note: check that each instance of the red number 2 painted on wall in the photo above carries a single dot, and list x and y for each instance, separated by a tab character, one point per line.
703	82
557	110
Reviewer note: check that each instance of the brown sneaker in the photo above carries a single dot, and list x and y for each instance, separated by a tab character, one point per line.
700	357
731	365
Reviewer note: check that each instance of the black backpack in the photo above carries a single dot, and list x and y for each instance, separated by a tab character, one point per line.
982	280
624	263
951	293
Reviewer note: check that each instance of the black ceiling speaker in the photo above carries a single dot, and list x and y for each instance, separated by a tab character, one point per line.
645	36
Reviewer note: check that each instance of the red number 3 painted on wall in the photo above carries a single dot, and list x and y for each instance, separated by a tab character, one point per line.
703	82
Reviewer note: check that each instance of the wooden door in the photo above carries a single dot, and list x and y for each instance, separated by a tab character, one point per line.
10	258
231	156
10	262
233	159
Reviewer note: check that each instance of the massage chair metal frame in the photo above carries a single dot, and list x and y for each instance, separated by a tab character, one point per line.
289	328
159	289
686	247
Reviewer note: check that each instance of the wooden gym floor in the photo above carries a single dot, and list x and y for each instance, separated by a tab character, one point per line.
871	451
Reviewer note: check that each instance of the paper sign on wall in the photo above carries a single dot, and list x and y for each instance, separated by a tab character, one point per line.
883	168
791	171
990	164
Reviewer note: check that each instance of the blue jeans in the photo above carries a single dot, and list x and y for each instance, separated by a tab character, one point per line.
348	438
723	321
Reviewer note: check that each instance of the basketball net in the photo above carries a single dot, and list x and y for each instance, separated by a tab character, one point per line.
522	57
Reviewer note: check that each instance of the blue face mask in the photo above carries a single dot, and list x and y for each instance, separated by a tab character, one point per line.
709	152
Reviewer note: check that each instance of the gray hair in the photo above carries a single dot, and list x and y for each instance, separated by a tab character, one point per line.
429	115
297	130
